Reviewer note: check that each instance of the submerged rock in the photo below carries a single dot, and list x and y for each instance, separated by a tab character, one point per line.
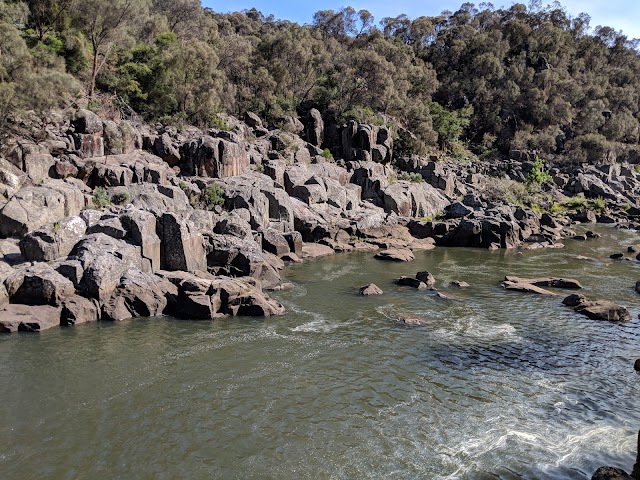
412	322
525	287
554	282
611	473
370	289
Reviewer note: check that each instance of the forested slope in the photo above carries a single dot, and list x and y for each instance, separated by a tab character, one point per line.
477	81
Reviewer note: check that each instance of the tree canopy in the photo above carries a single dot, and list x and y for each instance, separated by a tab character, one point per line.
484	79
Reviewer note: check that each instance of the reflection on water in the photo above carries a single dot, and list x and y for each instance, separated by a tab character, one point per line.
498	385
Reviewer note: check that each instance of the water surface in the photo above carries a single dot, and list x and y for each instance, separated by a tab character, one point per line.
499	385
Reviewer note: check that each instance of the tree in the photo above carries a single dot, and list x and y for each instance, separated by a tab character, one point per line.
45	14
107	25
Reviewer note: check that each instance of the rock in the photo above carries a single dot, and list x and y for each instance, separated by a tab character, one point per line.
597	309
25	318
633	249
252	120
274	242
182	245
166	150
370	289
460	284
38	284
554	282
197	300
412	322
139	295
616	256
85	121
611	473
581	238
34	207
427	278
636	365
294	239
315	250
315	128
526	287
54	241
411	282
77	310
396	255
591	234
457	210
215	158
141	229
105	260
109	225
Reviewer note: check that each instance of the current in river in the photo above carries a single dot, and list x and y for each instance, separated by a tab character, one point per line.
498	385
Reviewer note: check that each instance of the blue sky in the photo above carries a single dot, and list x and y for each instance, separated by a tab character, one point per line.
619	14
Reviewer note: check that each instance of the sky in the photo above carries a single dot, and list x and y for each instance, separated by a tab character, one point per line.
619	14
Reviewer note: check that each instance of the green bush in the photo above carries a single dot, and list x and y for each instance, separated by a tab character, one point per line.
538	176
213	196
100	198
326	153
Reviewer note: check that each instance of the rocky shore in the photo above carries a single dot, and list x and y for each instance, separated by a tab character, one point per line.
105	220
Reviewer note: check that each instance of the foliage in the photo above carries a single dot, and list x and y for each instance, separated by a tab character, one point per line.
411	177
100	198
213	196
538	176
326	153
479	79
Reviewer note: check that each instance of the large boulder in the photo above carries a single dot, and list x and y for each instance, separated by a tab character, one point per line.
77	310
597	309
139	295
413	199
28	318
314	128
105	260
38	284
34	207
182	244
215	158
54	241
141	229
396	255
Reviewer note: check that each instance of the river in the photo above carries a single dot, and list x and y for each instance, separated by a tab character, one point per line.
498	385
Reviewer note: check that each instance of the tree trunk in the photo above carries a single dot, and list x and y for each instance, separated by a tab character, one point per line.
94	73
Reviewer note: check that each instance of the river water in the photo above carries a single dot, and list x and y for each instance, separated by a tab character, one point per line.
498	385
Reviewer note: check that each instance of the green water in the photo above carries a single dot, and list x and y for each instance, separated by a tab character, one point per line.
498	385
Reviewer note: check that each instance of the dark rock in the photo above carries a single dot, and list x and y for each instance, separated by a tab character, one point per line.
636	365
568	283
294	239
27	318
457	210
182	245
275	242
109	225
54	241
141	229
616	256
85	121
633	249
77	310
370	289
427	278
315	128
411	282
38	284
597	309
611	473
252	120
139	295
166	150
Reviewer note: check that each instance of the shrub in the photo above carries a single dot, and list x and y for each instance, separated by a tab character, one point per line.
326	153
598	204
100	198
538	176
576	203
213	196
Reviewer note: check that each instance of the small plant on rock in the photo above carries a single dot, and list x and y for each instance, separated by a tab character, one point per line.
538	176
213	196
326	153
100	198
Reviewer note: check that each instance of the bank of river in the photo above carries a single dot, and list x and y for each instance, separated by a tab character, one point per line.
499	385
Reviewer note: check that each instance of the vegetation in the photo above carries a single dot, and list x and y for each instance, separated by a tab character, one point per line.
213	196
538	176
481	78
100	198
410	177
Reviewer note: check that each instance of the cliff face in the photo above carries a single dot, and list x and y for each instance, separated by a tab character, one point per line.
109	220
